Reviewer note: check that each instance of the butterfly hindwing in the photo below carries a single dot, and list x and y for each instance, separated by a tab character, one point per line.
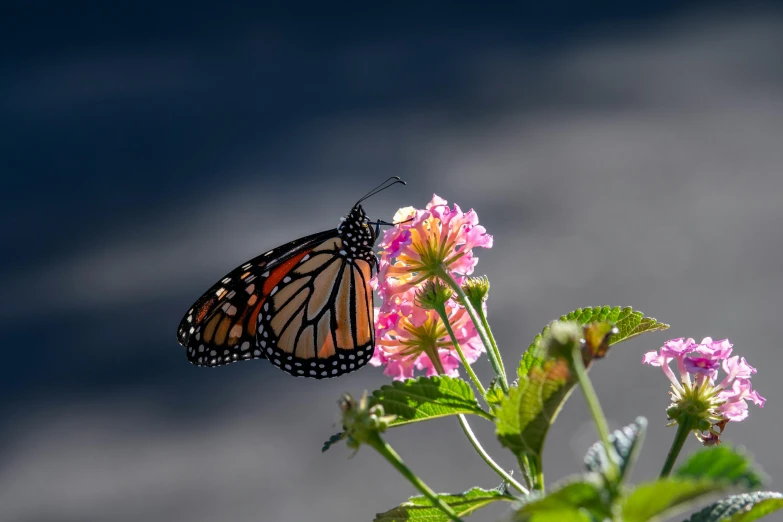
220	328
318	321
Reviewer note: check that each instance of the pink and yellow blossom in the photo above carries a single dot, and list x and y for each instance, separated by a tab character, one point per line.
409	338
697	393
426	242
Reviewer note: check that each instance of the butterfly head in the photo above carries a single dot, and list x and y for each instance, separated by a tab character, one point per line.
356	232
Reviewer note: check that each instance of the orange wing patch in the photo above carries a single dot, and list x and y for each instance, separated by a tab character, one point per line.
363	291
342	308
277	275
294	336
323	286
252	320
324	339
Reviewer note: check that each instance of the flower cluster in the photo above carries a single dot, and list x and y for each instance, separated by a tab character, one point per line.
409	337
698	396
435	243
425	244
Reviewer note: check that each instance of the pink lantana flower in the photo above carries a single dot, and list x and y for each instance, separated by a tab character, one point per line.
426	244
430	244
698	396
410	338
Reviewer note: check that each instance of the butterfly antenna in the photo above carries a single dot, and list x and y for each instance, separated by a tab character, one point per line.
383	186
381	222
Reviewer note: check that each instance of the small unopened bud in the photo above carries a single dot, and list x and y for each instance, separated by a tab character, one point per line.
704	425
561	338
362	422
596	339
433	295
477	290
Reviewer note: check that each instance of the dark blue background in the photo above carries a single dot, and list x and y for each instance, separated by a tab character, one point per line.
620	154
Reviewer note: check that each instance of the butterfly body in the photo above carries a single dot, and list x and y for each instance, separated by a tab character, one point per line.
306	306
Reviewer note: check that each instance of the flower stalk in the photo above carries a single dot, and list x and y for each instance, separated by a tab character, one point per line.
382	447
493	356
591	397
440	308
683	430
484	455
477	290
364	424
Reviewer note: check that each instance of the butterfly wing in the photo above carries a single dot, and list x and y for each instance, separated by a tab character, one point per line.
221	326
318	319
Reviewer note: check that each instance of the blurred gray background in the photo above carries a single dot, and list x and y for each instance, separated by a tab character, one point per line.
622	155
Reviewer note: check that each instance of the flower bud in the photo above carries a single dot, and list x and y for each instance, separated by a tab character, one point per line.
433	295
361	422
704	424
477	289
561	338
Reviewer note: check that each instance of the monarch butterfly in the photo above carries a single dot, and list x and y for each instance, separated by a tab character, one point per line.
306	306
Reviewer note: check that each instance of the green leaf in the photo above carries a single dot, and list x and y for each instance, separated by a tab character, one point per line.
525	414
627	442
707	471
426	398
420	508
740	508
584	494
666	497
334	439
545	380
722	464
495	393
566	515
628	321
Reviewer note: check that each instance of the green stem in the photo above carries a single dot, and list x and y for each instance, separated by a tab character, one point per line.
595	410
462	420
394	459
484	455
683	430
497	365
495	348
524	466
539	480
473	377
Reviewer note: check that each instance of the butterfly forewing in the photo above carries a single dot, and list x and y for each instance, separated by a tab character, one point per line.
220	328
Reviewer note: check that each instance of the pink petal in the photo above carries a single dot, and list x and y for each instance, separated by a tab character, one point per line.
653	359
702	366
